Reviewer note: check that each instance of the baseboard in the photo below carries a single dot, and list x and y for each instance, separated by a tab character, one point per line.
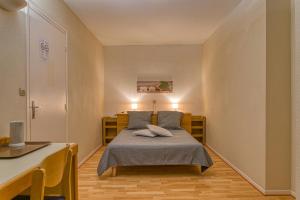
244	175
293	193
277	192
89	155
251	181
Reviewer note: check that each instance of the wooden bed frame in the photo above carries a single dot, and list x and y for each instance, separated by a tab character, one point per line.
122	121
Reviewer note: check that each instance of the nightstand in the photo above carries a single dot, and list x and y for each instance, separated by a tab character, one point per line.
199	128
109	129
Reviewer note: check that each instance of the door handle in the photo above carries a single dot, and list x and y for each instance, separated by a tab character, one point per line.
33	109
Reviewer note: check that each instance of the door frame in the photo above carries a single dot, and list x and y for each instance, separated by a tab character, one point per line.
31	6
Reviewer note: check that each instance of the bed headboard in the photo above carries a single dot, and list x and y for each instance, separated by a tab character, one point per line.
186	121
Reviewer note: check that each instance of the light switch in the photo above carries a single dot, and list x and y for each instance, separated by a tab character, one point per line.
22	92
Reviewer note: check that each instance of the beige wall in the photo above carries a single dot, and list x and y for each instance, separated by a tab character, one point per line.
12	68
247	92
278	110
297	95
234	85
124	64
296	100
86	77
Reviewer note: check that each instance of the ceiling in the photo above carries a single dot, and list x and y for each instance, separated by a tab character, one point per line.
152	22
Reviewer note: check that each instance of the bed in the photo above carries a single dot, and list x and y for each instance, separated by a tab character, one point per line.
130	150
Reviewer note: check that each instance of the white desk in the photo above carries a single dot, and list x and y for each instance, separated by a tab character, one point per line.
15	174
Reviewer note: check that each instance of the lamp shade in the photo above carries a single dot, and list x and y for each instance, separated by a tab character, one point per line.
12	5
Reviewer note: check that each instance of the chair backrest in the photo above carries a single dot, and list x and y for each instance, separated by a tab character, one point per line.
4	140
54	172
54	166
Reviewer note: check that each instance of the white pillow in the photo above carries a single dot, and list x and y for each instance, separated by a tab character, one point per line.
159	131
144	132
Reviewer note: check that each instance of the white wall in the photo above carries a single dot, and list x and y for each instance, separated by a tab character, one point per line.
85	77
12	68
124	64
234	85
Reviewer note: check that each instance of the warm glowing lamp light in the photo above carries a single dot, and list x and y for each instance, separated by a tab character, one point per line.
175	106
134	106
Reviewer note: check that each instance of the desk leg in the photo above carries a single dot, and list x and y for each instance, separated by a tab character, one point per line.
74	174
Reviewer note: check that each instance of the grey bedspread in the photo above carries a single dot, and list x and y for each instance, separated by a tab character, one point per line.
130	150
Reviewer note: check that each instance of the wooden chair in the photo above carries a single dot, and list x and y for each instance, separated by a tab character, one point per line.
4	140
53	178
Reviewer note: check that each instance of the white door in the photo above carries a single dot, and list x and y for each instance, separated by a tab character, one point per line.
47	79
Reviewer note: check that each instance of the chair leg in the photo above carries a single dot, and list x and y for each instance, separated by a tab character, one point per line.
38	185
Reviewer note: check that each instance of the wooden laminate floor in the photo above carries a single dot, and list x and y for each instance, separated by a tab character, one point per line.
166	183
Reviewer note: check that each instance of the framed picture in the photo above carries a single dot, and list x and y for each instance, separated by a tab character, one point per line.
154	86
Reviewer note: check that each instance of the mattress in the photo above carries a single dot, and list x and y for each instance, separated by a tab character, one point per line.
129	150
